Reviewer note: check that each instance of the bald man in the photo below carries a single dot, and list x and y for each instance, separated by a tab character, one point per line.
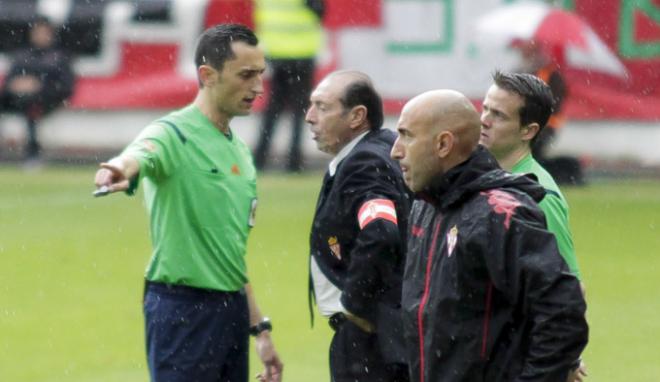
486	295
357	239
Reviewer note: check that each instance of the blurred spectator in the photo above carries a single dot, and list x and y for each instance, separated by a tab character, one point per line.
39	80
290	31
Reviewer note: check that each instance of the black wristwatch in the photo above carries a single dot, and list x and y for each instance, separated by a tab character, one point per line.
265	324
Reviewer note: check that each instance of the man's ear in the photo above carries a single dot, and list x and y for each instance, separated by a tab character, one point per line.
444	143
358	116
528	132
207	75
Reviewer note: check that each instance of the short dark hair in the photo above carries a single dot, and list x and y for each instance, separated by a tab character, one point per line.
538	101
362	92
214	45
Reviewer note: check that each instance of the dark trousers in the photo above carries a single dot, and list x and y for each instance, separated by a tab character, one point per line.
196	335
33	108
291	84
355	356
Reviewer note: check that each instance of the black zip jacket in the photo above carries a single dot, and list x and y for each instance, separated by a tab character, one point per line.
366	264
486	295
53	69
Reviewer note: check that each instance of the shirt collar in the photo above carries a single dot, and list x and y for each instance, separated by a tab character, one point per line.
523	163
343	153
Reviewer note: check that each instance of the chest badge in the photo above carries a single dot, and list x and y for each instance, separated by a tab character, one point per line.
452	238
334	246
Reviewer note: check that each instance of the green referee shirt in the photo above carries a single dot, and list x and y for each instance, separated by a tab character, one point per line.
554	207
200	193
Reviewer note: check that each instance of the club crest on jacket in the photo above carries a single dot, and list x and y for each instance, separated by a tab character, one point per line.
452	238
334	246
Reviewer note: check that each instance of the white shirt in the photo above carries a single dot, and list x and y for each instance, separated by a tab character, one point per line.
327	294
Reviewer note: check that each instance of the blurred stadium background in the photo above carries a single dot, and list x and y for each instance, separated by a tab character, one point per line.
71	267
134	62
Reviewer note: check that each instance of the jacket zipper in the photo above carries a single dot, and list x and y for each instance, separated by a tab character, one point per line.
425	296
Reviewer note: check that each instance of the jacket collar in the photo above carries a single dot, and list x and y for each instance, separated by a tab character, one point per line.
343	153
450	187
479	172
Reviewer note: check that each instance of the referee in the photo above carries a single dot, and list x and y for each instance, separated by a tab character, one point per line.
200	191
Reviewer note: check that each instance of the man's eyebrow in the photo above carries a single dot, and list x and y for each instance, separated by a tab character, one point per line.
252	70
493	109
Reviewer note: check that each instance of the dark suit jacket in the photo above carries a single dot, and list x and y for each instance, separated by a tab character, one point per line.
366	263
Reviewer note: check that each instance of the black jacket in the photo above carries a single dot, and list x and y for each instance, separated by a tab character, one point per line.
486	296
53	69
366	264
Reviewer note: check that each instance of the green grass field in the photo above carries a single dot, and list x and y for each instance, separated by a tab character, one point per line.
71	277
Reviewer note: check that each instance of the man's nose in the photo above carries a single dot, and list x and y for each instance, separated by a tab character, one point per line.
309	116
396	152
485	121
259	85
